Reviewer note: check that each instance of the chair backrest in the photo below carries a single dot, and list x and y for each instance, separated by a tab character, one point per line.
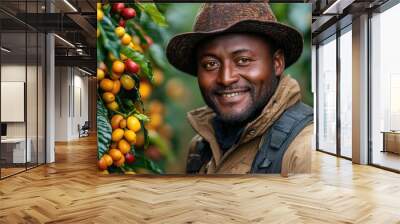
86	125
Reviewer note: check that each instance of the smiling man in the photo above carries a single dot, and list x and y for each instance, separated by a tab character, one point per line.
254	121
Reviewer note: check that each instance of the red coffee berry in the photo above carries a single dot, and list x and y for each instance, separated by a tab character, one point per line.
128	13
118	7
121	23
129	158
131	66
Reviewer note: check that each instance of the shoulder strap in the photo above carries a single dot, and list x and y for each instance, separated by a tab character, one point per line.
279	136
199	155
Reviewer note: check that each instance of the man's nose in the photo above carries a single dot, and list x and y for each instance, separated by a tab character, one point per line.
227	75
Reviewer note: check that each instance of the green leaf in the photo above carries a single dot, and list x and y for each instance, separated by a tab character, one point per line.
135	29
128	103
155	15
133	149
142	117
144	63
144	162
121	105
100	51
137	81
146	136
103	129
162	144
108	38
107	9
114	169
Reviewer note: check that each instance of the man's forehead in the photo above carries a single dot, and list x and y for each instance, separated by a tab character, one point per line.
233	43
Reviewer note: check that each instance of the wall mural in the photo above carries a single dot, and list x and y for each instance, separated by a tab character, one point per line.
184	90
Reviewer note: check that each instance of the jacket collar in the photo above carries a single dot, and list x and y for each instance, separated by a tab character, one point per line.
286	94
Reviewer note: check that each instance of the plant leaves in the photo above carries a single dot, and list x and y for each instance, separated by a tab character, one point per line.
128	104
133	150
121	105
144	162
162	145
114	169
103	129
155	15
100	50
135	29
129	101
146	136
142	117
108	37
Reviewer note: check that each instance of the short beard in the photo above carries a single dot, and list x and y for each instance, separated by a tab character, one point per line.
250	113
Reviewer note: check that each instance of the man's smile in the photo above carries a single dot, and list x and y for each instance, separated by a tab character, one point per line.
232	96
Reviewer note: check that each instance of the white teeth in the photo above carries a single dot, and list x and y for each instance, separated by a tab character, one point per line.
230	94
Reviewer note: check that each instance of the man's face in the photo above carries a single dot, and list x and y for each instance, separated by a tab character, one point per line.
237	75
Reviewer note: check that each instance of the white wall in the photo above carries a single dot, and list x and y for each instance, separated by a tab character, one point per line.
71	94
80	110
61	103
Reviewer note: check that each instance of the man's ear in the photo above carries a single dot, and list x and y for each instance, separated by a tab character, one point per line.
278	60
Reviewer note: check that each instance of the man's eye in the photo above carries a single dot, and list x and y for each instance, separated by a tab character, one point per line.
210	65
243	61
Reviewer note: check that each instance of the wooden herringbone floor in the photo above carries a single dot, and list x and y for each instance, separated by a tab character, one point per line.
70	191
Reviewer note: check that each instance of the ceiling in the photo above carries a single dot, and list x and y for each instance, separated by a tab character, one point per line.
21	21
328	15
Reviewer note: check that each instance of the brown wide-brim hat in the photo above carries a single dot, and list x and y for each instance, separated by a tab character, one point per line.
219	18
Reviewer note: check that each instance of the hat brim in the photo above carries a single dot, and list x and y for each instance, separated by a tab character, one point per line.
181	48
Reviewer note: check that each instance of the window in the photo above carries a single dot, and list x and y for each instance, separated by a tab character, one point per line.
346	93
385	89
22	77
327	96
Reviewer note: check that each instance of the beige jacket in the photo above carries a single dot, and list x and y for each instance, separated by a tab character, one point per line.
238	159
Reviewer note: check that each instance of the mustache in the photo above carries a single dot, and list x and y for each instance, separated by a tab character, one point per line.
231	89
